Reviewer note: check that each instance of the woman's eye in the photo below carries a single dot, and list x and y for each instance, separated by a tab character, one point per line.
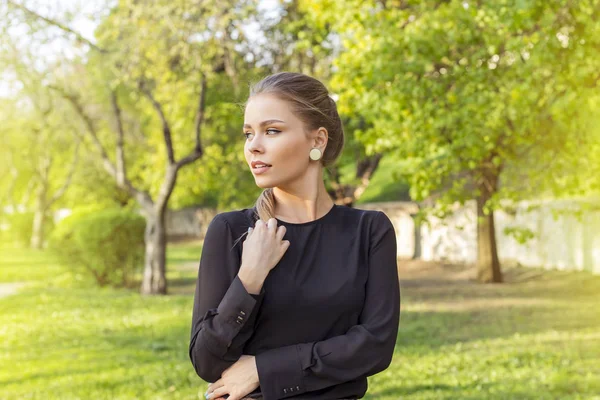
268	130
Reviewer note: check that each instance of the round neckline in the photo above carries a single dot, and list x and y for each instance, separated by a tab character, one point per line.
314	221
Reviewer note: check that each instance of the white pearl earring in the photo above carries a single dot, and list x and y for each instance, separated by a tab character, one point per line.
315	154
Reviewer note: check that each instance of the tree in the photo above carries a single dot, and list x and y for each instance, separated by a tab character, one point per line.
39	145
297	38
467	91
161	52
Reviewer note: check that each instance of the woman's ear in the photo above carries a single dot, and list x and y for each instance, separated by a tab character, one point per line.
321	137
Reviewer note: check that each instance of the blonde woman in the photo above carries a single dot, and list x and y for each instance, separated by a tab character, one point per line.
308	305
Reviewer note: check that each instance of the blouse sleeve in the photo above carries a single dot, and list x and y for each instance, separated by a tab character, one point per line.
223	312
366	348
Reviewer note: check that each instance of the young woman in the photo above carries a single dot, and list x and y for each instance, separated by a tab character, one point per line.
308	305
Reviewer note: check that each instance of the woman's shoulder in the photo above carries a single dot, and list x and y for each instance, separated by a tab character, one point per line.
241	219
237	220
359	215
372	223
230	225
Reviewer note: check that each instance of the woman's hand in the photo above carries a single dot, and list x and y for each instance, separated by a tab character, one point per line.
261	251
236	381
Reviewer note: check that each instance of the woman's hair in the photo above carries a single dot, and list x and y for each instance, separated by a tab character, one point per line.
311	103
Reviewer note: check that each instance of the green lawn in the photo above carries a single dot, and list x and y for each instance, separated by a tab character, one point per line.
535	337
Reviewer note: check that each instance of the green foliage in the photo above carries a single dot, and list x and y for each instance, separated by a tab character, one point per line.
385	185
222	180
107	245
178	44
21	227
93	186
520	234
467	92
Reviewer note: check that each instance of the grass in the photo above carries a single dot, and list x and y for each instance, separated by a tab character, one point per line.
537	336
62	338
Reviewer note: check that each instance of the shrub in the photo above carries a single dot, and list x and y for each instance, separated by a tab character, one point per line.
107	245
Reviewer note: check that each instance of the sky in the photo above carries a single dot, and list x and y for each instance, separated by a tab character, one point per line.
59	46
87	14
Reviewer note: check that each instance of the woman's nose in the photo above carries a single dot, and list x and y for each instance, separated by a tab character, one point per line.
255	145
254	148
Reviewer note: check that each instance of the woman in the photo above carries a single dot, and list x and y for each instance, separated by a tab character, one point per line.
308	305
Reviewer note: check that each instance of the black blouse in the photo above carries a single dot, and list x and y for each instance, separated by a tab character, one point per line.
327	315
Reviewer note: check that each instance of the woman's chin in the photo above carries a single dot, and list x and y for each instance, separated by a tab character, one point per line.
262	183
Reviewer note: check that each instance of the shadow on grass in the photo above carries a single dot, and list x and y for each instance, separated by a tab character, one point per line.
182	286
442	392
442	307
114	330
403	389
438	311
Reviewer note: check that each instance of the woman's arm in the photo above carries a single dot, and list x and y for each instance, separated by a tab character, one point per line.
224	312
366	348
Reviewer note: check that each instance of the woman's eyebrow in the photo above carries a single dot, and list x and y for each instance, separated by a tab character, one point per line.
267	122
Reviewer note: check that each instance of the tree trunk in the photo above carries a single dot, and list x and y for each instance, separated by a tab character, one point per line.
488	265
347	194
37	232
154	279
417	235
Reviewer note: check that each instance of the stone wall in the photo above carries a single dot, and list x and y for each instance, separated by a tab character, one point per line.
400	213
561	243
190	222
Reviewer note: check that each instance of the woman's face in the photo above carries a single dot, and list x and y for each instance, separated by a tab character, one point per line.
276	137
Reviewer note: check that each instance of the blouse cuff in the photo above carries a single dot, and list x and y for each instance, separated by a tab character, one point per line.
278	375
234	312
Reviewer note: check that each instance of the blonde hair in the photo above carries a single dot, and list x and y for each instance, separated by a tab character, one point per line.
312	104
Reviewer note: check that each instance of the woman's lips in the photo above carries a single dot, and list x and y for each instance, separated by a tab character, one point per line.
258	171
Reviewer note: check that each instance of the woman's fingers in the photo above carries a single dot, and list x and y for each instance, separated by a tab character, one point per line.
272	224
219	392
212	387
215	385
280	232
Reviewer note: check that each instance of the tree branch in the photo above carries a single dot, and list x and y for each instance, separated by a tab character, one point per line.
57	24
142	196
28	189
120	153
60	192
199	119
364	170
165	124
91	128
